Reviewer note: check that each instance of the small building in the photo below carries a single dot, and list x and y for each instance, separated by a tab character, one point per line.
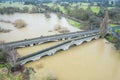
113	2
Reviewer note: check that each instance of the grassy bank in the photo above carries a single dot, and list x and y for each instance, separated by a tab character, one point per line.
113	25
74	23
113	40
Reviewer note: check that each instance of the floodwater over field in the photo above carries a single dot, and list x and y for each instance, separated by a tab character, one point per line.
37	25
96	60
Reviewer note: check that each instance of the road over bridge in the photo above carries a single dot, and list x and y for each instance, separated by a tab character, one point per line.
39	40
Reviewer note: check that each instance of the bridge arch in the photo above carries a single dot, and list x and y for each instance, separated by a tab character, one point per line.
52	50
84	42
72	45
28	61
65	47
93	39
58	50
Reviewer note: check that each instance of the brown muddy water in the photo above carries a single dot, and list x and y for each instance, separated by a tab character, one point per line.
96	60
37	25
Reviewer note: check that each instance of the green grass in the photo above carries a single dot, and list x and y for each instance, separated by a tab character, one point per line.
74	23
113	25
62	9
10	77
110	8
95	9
1	65
19	5
49	4
85	4
111	38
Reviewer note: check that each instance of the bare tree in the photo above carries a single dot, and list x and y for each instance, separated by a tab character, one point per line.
7	55
3	52
26	73
104	24
12	57
19	23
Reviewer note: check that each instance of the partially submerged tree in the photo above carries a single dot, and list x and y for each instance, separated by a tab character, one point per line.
47	15
94	21
61	29
12	56
27	72
3	52
19	23
7	55
4	30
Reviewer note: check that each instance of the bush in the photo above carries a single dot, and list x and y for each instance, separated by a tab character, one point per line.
19	23
61	29
117	45
4	30
113	40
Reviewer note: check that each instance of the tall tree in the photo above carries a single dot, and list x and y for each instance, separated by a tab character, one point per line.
104	24
7	55
12	57
3	52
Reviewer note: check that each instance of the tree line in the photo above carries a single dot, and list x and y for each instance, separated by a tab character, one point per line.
12	10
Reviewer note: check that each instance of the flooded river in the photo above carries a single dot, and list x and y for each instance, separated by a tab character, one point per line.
37	25
96	60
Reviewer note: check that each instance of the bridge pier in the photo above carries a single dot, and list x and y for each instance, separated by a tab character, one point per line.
35	44
66	38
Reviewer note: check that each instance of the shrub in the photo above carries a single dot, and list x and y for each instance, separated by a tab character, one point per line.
19	23
61	29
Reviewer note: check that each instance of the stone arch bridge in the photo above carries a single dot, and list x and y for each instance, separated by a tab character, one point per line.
52	50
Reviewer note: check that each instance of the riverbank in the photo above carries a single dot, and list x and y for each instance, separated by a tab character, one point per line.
114	35
74	23
113	40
